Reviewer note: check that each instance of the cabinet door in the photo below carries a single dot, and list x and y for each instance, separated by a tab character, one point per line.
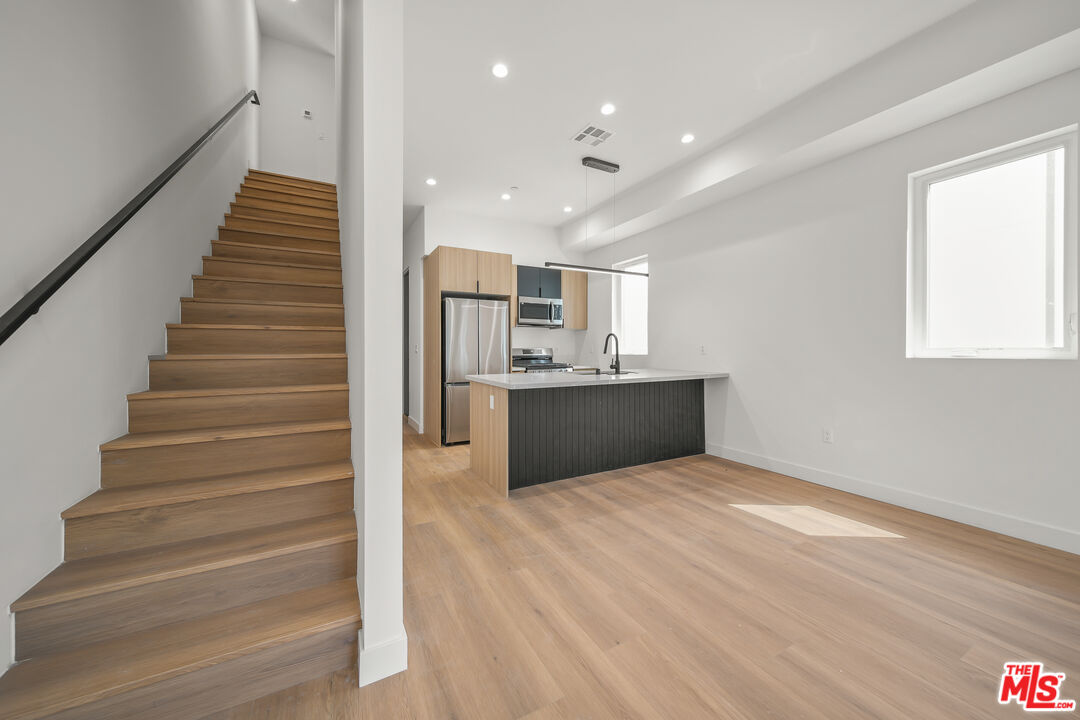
575	289
494	272
550	283
457	269
528	279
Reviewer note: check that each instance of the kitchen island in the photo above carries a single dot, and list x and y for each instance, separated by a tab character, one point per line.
532	428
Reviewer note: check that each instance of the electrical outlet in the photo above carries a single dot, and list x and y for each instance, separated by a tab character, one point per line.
828	435
491	401
702	349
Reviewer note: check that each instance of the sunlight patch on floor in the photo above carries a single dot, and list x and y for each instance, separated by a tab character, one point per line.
811	521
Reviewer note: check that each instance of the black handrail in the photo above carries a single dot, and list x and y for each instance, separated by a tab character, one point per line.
32	301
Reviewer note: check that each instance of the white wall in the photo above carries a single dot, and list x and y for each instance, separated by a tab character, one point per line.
798	289
98	99
371	168
293	79
528	244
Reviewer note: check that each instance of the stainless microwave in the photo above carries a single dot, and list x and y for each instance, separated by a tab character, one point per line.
545	312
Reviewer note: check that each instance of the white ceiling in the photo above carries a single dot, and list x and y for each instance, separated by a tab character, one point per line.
709	67
307	23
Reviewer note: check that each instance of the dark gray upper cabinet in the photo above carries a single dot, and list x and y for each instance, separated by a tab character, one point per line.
528	281
550	283
539	282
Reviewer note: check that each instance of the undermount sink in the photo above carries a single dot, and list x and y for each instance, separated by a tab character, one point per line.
612	372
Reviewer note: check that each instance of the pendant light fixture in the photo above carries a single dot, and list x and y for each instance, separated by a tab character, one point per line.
608	167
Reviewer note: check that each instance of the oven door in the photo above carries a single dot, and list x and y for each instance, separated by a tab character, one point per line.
534	311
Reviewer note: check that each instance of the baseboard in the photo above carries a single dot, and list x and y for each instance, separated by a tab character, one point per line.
382	660
415	425
1049	535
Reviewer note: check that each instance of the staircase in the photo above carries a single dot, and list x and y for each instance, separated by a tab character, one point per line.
217	562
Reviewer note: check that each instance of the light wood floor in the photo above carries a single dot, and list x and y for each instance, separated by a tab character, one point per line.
642	594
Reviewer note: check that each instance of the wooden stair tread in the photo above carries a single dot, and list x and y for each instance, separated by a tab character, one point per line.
298	222
219	392
276	248
271	185
298	190
132	568
266	281
213	326
277	234
253	171
274	263
285	303
180	491
250	212
45	685
243	356
284	206
232	432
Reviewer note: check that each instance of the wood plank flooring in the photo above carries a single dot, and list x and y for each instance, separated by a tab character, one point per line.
641	593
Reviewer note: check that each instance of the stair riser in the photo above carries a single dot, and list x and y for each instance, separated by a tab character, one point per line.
234	290
220	687
195	374
67	625
280	206
287	197
262	184
214	341
239	313
241	222
264	214
254	237
147	527
138	466
291	182
227	268
184	413
244	251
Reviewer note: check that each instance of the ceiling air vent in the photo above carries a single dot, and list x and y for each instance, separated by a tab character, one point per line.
592	135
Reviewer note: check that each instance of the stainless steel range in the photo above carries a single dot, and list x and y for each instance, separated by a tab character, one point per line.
537	360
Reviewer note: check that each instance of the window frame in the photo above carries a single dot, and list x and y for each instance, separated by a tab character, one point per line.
918	192
616	301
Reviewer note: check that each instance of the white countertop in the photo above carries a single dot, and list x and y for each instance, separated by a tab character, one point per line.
526	381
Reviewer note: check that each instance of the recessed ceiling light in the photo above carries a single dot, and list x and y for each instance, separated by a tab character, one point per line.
607	109
505	196
687	138
431	181
568	209
499	70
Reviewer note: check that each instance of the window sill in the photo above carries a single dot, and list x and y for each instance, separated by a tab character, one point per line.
993	355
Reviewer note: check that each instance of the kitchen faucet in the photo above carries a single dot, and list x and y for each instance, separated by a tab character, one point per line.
616	365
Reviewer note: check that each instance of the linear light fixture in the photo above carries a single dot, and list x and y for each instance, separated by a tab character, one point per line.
612	168
591	269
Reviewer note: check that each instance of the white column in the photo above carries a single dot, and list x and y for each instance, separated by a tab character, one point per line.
370	190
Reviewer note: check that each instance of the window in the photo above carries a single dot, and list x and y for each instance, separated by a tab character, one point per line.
630	307
992	253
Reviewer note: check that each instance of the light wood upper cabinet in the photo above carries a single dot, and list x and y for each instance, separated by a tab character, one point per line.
575	296
457	269
495	273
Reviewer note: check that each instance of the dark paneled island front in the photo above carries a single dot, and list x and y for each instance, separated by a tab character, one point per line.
532	428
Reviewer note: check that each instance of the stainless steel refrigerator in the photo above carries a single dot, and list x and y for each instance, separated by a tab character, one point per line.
475	339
